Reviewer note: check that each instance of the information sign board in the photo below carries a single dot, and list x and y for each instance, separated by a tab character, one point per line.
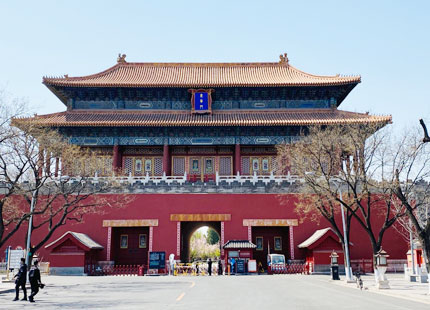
240	266
157	260
252	265
15	258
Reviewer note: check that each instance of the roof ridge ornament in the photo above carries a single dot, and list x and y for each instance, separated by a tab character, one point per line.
283	59
121	58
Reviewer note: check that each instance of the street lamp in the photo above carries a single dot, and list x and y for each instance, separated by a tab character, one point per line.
348	271
30	225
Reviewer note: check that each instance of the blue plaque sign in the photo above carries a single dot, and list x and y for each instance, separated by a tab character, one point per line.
201	101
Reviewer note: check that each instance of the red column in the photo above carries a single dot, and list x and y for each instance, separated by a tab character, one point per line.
115	158
166	160
119	159
237	164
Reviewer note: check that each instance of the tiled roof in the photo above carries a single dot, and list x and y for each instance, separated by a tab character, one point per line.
239	244
84	239
273	74
122	118
314	238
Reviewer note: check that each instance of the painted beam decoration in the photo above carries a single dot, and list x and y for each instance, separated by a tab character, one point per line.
130	223
201	101
200	217
270	222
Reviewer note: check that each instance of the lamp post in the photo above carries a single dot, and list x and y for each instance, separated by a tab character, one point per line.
348	271
411	240
30	225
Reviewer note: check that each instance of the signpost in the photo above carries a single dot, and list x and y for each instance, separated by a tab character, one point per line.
240	266
15	258
157	260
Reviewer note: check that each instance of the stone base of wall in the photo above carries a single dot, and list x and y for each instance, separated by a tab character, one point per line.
67	271
325	269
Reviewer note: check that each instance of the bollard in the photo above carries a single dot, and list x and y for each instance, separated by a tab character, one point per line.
228	269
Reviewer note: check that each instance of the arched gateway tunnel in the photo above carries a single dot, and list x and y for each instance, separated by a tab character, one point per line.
188	229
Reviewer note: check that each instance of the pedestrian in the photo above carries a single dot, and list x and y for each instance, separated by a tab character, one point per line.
172	264
35	282
21	279
197	268
220	267
210	266
233	261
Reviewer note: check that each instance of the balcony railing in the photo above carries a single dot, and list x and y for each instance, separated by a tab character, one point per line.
181	180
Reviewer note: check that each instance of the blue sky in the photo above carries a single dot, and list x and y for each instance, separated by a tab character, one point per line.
386	42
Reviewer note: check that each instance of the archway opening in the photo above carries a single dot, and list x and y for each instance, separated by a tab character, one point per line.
200	241
204	244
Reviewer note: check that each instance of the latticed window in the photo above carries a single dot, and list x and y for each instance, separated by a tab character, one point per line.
158	166
261	165
102	165
202	150
225	150
128	165
274	165
143	150
245	165
225	166
140	166
178	150
178	166
108	162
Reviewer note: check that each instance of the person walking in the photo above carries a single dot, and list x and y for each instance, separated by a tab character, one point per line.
210	266
21	279
172	264
220	267
35	282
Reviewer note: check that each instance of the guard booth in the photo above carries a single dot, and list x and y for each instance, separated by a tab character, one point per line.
73	253
318	248
240	252
418	256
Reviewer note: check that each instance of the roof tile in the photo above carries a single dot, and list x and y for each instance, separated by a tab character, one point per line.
122	118
126	74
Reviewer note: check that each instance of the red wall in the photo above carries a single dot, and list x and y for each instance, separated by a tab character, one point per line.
240	206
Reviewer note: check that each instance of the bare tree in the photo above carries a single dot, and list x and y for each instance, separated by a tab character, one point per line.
344	165
412	173
30	172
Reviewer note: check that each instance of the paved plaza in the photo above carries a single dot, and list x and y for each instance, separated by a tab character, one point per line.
234	292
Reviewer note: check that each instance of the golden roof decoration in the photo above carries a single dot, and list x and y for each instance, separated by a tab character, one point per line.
283	59
121	58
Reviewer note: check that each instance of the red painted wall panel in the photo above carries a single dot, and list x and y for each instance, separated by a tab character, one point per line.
67	260
240	206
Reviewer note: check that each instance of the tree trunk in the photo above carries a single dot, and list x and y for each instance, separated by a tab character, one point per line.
425	244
